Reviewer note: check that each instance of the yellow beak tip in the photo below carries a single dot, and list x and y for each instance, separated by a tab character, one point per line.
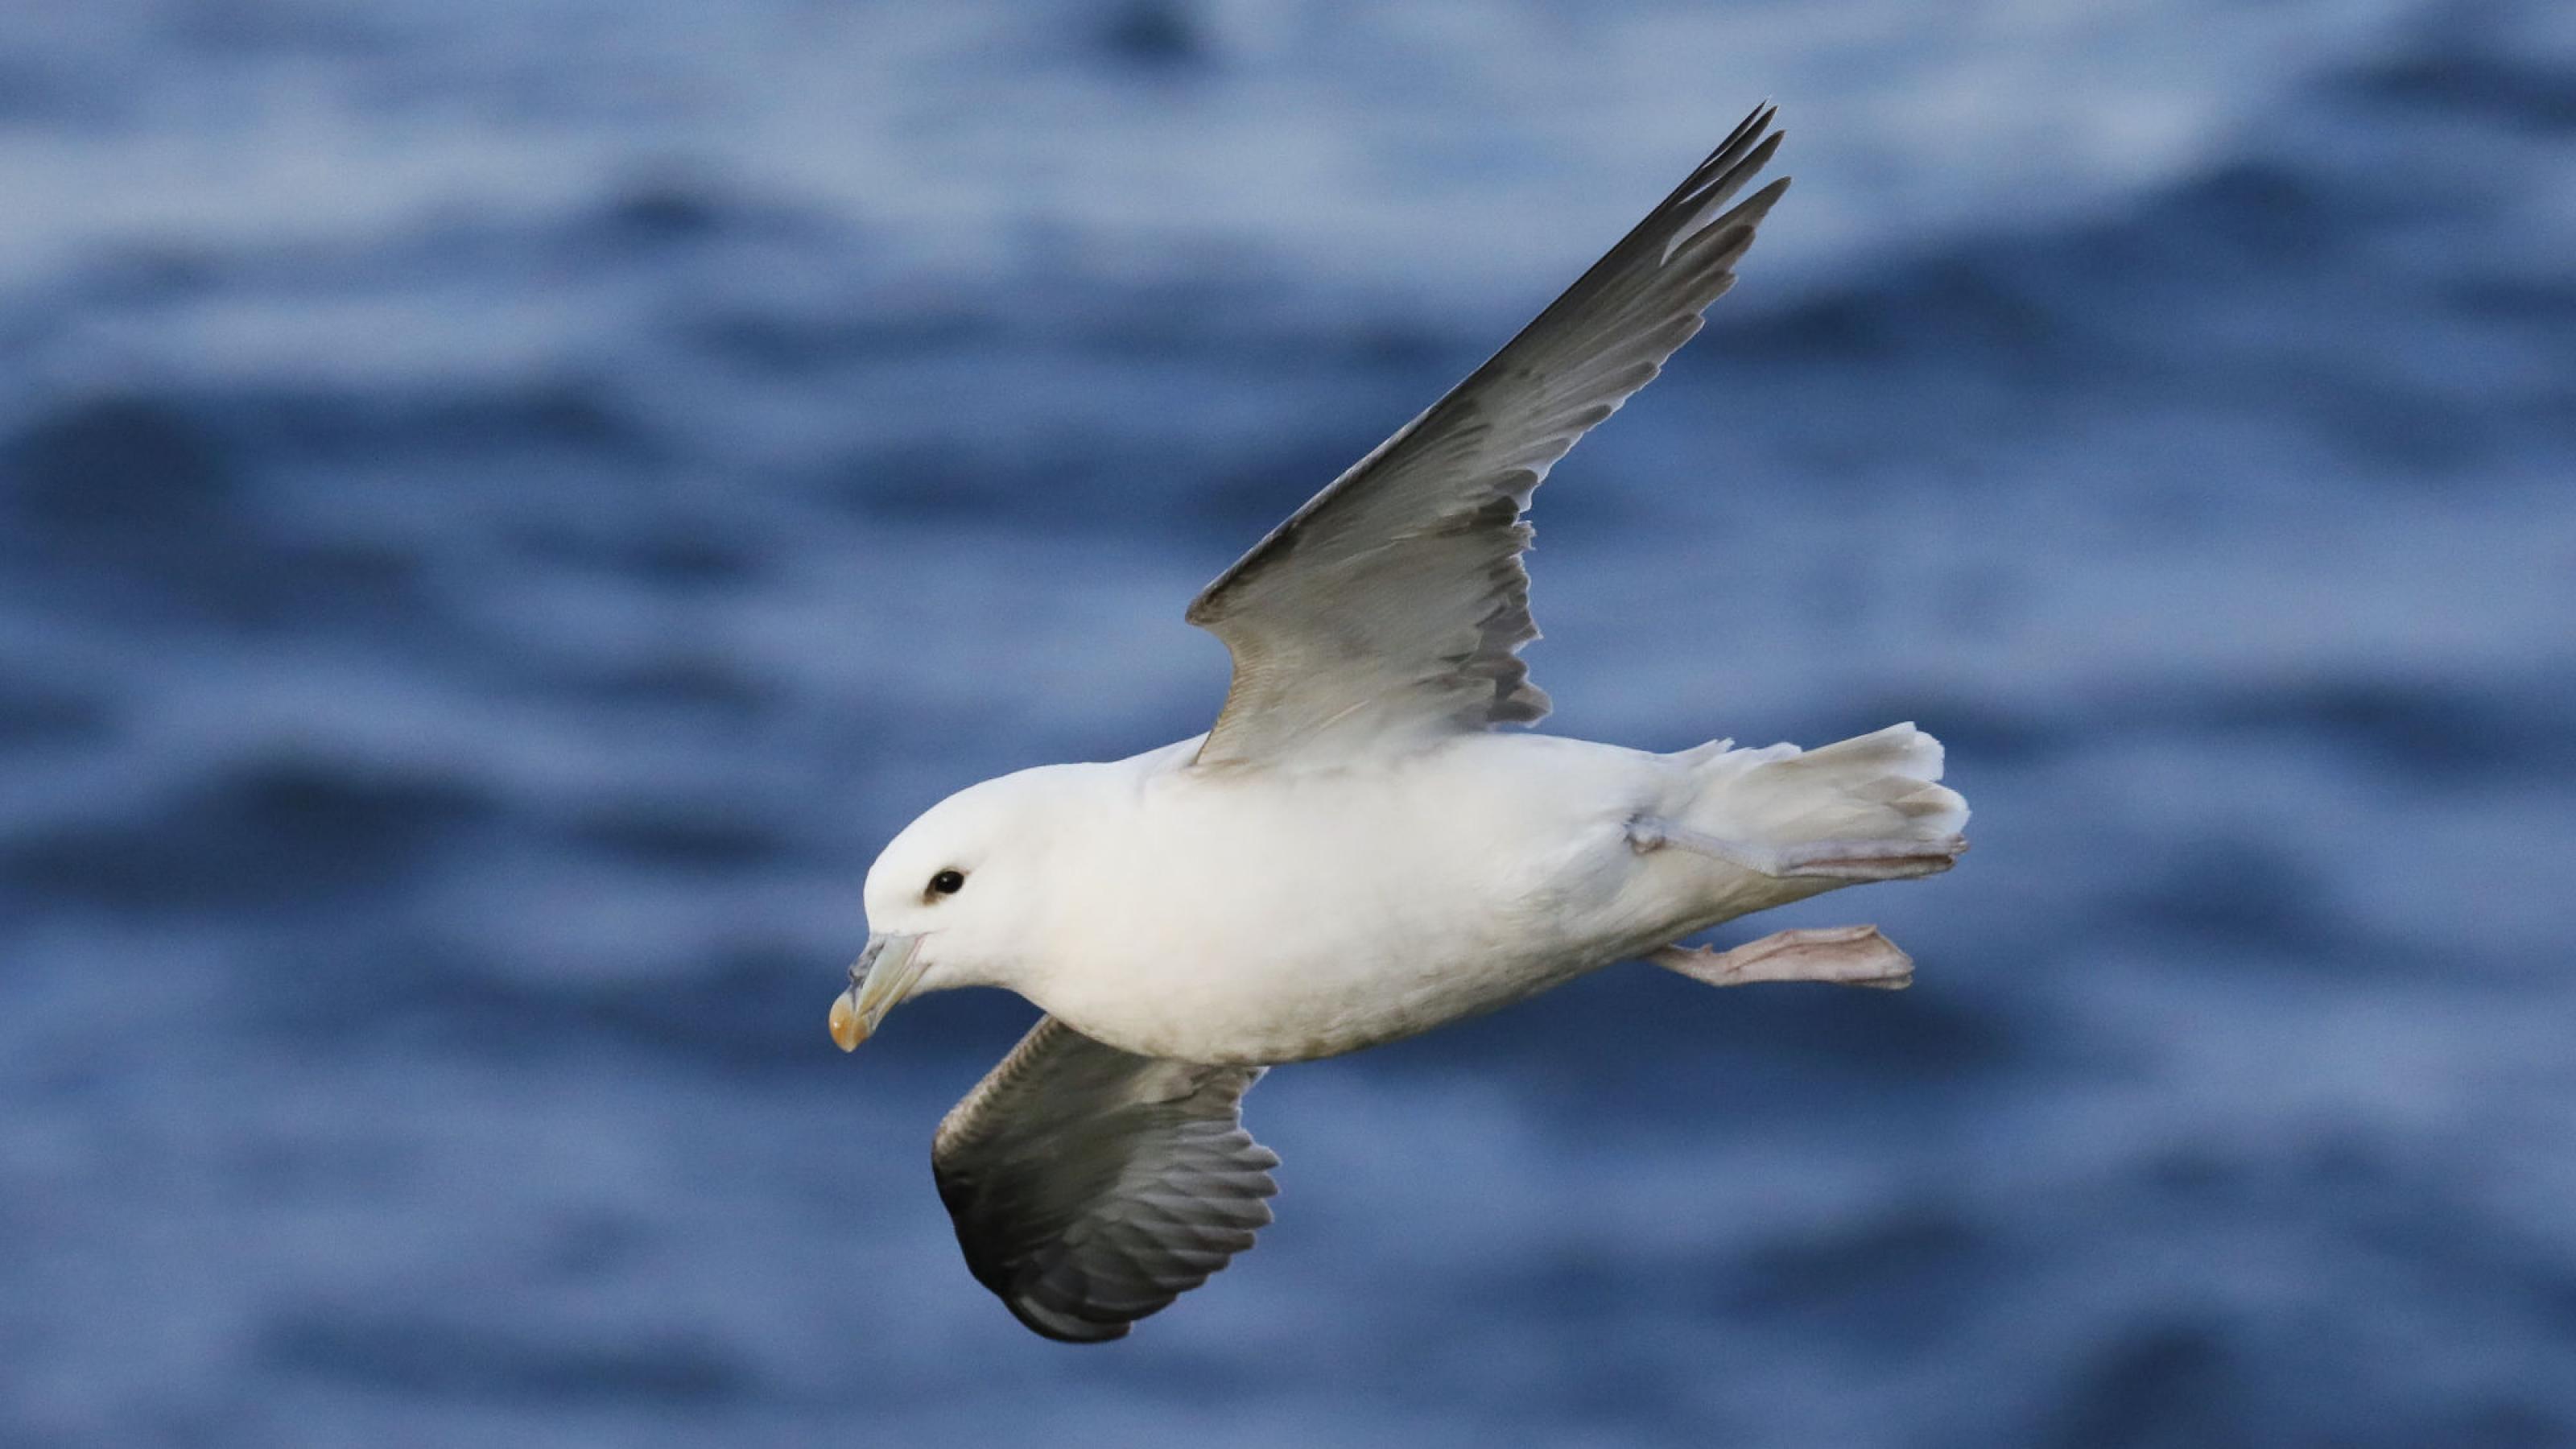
847	1033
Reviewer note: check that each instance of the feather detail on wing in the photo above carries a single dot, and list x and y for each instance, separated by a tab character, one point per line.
1394	605
1091	1186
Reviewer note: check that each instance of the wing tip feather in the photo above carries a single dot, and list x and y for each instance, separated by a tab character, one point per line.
1602	317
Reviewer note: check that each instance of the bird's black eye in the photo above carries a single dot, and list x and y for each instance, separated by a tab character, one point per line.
947	883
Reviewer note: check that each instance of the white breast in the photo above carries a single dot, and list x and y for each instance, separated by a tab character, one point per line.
1253	916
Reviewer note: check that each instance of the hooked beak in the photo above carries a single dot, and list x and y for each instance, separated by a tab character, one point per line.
881	976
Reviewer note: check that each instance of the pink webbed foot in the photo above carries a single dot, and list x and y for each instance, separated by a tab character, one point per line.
1840	955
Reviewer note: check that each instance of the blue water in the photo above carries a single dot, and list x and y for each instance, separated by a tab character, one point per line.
505	506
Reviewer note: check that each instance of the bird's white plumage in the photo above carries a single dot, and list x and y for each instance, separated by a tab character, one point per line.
1354	854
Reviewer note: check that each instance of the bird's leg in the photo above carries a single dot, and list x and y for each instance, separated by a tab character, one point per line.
1842	860
1842	955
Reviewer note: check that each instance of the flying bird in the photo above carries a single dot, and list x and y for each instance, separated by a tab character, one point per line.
1356	852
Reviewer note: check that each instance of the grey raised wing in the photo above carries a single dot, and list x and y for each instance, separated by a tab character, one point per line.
1090	1186
1393	605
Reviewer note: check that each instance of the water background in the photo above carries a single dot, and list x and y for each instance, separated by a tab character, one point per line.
505	506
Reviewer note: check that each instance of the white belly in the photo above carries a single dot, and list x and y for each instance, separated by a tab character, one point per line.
1230	919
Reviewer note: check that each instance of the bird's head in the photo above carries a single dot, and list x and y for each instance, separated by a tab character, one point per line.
955	897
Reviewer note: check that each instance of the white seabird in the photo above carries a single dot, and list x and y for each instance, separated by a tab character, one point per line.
1354	853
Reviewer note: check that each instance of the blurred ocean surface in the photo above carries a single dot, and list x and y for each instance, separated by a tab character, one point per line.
504	507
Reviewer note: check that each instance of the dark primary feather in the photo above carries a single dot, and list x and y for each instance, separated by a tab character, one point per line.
1394	602
1090	1186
